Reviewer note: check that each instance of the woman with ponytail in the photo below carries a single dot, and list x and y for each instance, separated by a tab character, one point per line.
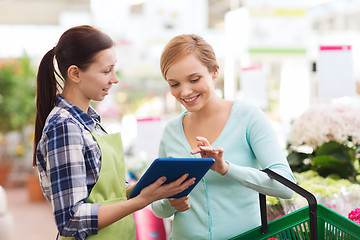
81	167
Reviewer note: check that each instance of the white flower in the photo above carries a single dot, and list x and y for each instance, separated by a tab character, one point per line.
323	123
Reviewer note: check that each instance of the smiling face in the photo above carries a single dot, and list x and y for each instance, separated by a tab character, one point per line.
190	82
96	81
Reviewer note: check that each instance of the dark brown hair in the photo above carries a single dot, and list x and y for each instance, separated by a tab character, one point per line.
183	45
76	46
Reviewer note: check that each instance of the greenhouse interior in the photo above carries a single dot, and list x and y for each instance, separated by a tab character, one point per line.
297	61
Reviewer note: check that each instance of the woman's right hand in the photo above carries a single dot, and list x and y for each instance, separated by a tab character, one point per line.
108	214
158	190
207	151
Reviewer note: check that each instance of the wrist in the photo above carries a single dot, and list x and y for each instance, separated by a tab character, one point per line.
141	201
225	168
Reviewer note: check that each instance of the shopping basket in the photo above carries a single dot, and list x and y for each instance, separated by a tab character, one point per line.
312	222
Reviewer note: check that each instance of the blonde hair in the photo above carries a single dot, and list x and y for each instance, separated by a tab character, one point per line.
183	45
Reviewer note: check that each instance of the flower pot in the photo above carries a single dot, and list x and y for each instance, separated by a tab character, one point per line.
34	191
5	169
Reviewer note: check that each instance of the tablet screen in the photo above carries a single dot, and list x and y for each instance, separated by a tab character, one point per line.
172	169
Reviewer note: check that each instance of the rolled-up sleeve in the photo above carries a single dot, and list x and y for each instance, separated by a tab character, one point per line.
68	190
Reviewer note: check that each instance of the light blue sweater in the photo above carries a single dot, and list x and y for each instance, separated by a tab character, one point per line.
225	206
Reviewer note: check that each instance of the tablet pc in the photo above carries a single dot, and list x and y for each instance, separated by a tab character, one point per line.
172	169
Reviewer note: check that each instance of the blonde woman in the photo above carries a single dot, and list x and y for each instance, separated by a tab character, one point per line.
237	135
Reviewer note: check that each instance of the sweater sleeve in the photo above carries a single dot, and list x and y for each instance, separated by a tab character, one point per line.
268	153
260	181
162	208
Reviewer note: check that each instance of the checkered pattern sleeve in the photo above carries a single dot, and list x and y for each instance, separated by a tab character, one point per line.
70	158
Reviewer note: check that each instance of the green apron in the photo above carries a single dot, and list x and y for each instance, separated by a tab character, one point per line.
110	187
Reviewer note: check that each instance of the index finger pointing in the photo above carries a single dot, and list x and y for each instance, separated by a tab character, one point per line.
203	140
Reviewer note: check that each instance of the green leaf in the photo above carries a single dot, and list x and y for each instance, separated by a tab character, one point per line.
326	165
335	150
17	95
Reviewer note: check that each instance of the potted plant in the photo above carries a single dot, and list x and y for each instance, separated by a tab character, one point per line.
17	107
326	139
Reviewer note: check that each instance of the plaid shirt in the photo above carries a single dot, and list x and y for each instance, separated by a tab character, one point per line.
68	160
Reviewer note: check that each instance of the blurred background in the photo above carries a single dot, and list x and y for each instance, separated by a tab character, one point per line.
284	56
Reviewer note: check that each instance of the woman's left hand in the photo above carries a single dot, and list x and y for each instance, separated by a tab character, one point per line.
207	151
180	204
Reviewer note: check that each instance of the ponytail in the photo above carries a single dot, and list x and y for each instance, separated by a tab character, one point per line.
76	46
47	86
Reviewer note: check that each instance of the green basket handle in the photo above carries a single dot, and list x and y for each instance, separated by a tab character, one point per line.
296	188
